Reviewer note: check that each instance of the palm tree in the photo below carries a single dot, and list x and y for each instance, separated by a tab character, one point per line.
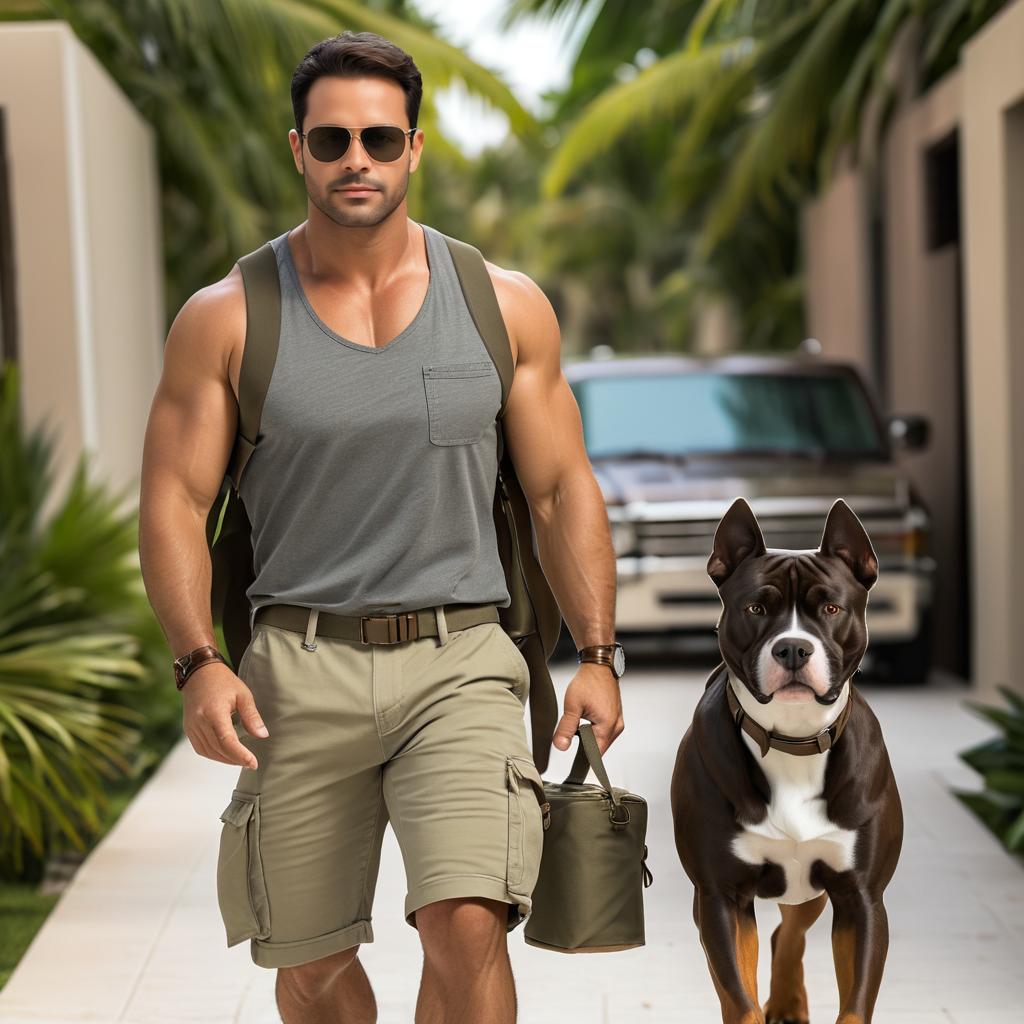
212	77
775	89
72	645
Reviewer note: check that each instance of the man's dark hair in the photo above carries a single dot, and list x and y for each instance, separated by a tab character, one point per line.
352	55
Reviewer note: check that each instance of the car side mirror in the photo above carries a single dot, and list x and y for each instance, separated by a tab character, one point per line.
908	431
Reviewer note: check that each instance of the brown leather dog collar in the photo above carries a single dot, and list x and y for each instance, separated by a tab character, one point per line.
787	744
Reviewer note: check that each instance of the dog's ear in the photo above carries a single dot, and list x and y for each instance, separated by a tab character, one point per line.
738	536
845	537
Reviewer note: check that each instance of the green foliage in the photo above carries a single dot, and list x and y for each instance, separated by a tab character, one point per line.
213	80
809	72
1000	762
22	911
763	100
76	635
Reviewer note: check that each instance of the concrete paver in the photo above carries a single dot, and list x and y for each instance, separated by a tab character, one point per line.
137	936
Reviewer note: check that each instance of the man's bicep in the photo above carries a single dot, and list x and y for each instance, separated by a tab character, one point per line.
194	416
542	425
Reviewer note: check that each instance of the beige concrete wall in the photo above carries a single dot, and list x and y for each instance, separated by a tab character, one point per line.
992	169
922	358
837	271
717	329
984	102
87	250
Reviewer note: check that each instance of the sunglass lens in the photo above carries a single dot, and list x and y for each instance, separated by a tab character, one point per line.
328	143
384	142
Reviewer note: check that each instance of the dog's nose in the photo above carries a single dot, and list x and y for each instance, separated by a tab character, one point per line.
792	651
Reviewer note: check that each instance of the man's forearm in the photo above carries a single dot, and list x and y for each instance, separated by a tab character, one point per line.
176	570
575	547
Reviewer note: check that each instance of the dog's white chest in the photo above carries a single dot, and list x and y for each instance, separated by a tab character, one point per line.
796	830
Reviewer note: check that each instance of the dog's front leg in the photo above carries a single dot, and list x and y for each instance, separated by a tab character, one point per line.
860	941
728	933
787	1001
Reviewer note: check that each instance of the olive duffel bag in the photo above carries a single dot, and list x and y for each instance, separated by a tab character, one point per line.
593	870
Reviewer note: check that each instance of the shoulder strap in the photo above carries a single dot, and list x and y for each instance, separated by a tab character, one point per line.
262	330
533	618
483	306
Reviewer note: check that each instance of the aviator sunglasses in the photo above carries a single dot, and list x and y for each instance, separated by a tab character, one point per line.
383	142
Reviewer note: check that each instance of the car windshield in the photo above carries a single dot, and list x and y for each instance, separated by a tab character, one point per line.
727	414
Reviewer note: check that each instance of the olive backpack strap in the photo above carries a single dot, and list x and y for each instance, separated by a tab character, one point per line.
533	619
262	331
228	529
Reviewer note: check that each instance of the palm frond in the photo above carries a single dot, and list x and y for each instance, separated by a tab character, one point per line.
656	94
850	99
710	11
67	580
786	131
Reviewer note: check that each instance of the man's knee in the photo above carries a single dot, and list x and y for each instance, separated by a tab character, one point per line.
462	929
309	981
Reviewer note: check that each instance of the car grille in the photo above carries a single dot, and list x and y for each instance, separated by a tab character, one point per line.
673	538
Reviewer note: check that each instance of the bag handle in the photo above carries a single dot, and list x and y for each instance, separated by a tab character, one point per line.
588	755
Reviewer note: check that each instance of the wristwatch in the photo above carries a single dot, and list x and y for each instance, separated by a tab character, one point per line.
188	663
612	655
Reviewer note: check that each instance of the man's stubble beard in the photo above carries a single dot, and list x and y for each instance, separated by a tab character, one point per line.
359	216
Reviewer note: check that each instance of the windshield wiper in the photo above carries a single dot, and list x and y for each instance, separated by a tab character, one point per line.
777	453
641	453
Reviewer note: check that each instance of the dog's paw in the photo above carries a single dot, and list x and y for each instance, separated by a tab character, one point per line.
772	1016
794	1013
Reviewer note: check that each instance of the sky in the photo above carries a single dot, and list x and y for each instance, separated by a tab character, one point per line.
531	59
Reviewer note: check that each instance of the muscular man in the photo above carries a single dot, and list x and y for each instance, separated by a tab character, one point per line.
370	492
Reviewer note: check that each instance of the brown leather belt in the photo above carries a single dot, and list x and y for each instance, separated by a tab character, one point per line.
392	628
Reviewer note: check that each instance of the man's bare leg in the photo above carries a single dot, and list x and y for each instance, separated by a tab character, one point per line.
330	990
467	976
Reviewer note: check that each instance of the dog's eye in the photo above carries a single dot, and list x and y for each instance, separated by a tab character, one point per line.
832	609
755	608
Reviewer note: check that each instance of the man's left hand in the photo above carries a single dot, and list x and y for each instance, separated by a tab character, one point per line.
593	694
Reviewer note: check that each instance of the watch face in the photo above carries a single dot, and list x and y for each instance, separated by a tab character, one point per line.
619	660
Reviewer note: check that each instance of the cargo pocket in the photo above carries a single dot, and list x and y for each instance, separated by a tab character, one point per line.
241	888
462	400
529	814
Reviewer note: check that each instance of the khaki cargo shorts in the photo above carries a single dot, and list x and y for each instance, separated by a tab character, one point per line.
427	734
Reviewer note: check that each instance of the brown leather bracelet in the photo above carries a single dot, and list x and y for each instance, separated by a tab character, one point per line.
189	662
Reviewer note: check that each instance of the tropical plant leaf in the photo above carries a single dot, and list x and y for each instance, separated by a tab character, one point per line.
657	93
1014	837
64	665
1000	761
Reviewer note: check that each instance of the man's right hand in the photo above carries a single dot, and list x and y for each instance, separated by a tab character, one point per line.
210	695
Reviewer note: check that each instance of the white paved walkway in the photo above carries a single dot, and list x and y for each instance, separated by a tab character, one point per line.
137	936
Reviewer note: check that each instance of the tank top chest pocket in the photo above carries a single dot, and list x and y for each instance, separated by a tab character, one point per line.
462	400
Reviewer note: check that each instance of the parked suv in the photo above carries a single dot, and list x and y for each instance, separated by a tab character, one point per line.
674	440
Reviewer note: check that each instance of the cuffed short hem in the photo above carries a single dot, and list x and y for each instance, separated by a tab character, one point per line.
468	885
300	951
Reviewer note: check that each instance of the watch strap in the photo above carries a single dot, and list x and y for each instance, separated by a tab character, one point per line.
602	653
185	665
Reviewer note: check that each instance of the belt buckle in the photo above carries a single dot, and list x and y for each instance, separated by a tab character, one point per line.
389	629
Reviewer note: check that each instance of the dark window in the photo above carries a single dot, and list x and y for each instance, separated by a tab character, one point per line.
942	192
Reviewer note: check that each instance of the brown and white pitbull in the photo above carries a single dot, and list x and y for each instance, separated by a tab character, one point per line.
782	786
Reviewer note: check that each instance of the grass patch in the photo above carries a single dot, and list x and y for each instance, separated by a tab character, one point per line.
22	909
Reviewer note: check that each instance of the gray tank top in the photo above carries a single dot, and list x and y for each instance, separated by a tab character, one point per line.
371	485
